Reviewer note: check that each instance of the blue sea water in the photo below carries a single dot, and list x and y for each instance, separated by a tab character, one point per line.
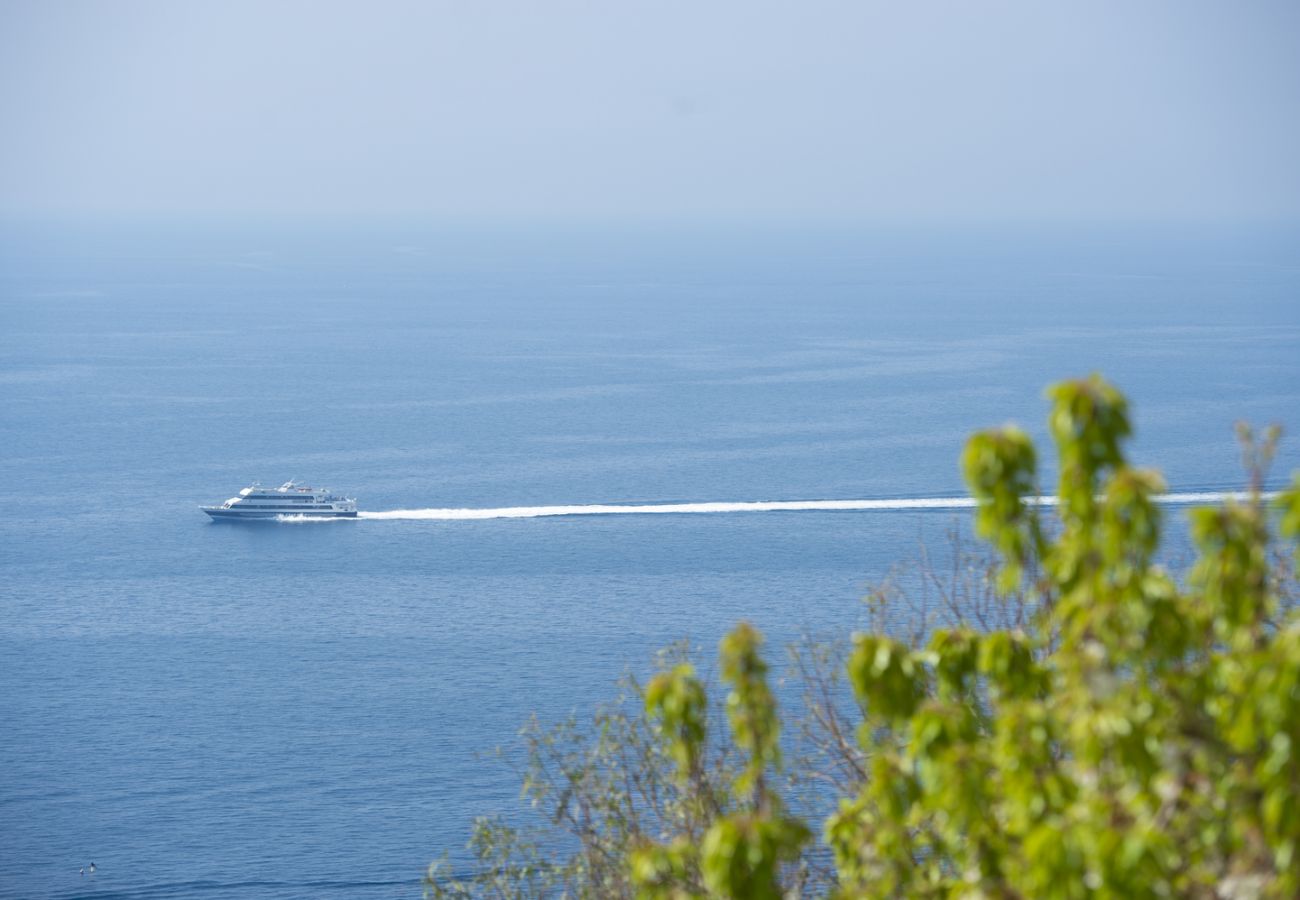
298	709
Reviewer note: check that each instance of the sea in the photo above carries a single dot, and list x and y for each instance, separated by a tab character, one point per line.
294	708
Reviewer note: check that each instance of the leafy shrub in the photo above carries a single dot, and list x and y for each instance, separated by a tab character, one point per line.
1139	737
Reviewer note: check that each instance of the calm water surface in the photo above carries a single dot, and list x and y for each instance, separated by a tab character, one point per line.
292	709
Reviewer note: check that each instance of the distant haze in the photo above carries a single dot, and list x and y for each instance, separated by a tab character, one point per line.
865	111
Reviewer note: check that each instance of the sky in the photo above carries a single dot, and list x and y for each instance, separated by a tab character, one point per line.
1074	110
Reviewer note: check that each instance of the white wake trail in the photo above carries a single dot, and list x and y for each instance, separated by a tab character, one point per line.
611	509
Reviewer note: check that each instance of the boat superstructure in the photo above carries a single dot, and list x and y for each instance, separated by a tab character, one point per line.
290	499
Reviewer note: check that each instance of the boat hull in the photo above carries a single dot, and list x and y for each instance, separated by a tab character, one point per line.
235	515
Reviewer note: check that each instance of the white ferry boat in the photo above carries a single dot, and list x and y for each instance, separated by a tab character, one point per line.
290	499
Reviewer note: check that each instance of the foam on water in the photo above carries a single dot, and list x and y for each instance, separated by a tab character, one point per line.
906	503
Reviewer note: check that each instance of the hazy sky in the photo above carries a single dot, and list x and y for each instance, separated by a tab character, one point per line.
860	110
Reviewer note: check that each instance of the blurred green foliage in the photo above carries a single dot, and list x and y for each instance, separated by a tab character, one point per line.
1140	738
